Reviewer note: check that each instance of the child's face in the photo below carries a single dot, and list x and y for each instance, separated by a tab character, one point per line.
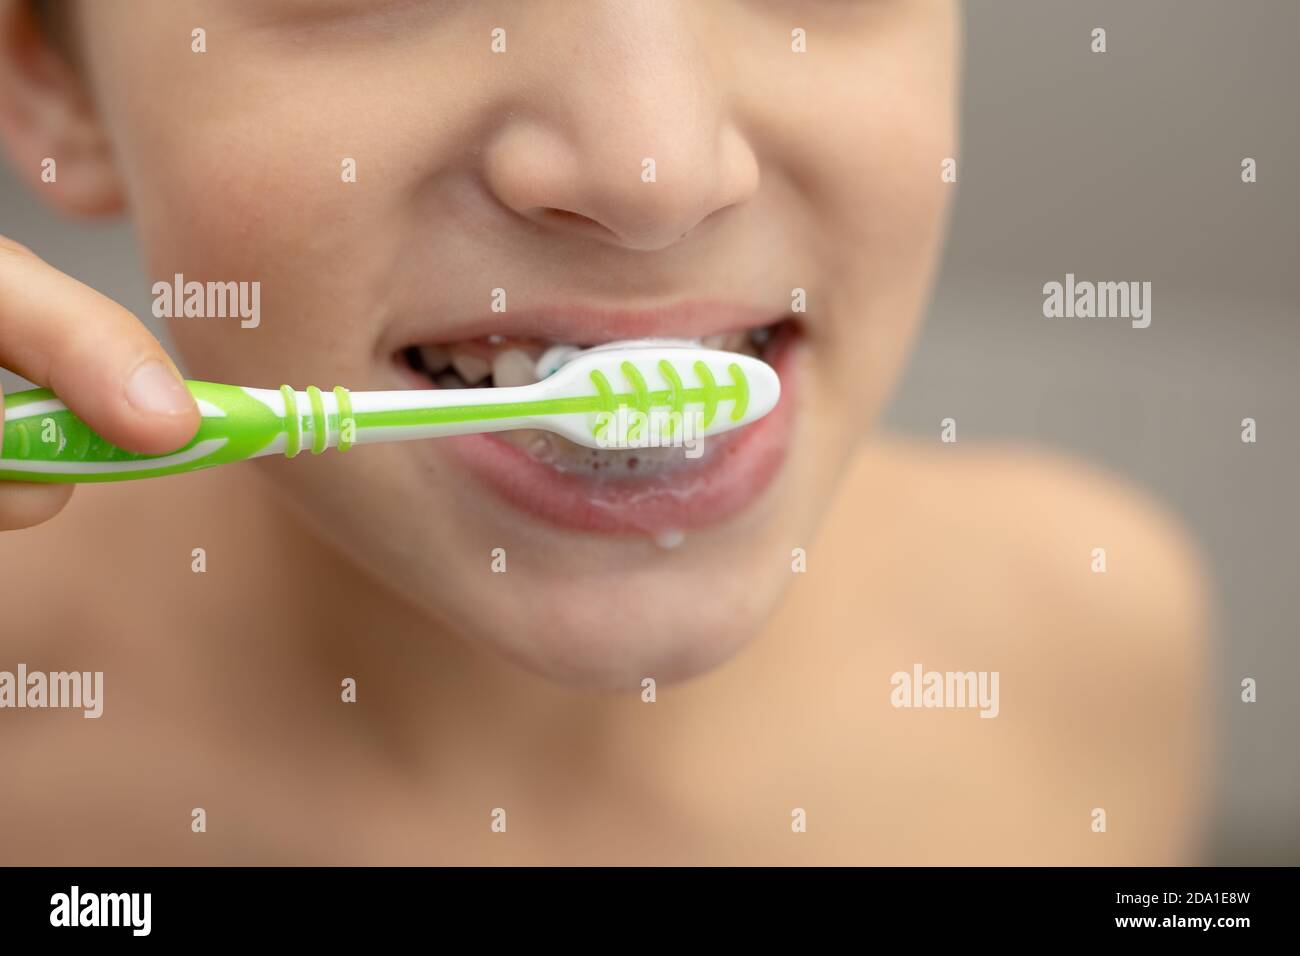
523	171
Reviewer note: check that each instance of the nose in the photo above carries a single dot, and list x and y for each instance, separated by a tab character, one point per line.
628	141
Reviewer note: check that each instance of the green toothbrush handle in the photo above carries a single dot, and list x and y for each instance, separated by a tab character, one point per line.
45	442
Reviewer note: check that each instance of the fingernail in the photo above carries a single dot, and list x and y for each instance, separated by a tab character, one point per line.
154	388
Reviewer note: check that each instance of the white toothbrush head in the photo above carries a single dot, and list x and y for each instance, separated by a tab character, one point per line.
647	393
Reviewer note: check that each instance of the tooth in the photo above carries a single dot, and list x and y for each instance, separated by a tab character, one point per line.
541	447
435	359
449	380
471	368
512	368
714	341
553	358
760	335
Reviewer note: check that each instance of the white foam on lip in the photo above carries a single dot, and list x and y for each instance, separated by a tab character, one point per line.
606	465
669	539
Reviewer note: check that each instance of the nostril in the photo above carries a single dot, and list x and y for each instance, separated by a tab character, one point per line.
567	215
568	219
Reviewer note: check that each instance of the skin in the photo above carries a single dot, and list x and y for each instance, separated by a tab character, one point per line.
374	565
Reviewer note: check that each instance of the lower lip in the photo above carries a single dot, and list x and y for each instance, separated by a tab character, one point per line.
736	471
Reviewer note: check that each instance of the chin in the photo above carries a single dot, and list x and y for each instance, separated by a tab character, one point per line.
605	636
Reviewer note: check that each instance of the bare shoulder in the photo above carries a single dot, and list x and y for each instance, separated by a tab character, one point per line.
1089	596
1042	524
1108	578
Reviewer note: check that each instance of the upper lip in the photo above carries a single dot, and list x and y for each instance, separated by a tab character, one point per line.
583	324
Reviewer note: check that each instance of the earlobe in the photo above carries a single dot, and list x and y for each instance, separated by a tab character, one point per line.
49	127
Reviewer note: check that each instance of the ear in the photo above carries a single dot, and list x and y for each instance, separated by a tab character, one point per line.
48	122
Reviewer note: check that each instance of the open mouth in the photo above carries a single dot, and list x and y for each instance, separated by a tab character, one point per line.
660	492
500	361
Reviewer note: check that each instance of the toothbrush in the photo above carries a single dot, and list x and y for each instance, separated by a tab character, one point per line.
622	395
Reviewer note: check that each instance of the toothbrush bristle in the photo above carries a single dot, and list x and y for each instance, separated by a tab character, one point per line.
657	395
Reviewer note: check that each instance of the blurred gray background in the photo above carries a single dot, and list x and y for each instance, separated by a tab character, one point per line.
1117	166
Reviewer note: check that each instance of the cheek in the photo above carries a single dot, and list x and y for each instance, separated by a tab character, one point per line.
860	133
209	216
211	354
882	268
884	239
250	188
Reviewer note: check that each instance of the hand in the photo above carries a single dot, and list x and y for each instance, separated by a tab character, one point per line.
97	357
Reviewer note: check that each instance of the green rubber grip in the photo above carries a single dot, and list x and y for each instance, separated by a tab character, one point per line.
45	442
